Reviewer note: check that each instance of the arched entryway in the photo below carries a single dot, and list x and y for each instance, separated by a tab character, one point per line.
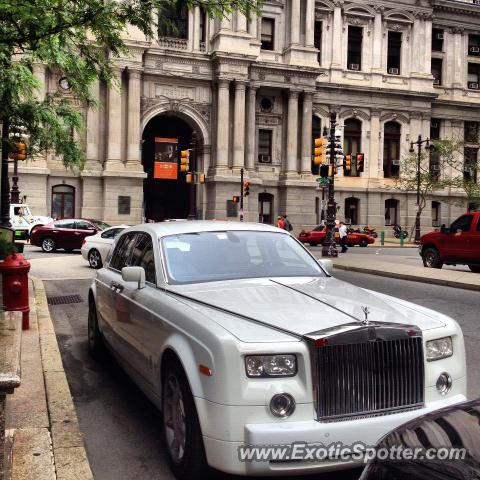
166	193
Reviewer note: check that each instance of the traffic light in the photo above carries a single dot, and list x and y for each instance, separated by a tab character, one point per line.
320	151
188	178
360	162
184	160
246	189
324	170
236	199
19	152
347	166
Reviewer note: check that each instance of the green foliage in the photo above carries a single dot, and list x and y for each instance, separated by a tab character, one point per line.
77	39
6	248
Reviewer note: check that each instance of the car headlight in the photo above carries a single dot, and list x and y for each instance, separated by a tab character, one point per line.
270	365
440	348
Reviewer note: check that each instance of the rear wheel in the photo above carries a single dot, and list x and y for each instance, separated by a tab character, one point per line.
363	242
96	346
431	258
313	244
94	258
474	268
48	245
181	428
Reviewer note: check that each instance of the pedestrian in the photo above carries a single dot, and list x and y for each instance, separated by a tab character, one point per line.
280	222
288	225
342	230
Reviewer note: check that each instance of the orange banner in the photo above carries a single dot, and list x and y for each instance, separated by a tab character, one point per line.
165	170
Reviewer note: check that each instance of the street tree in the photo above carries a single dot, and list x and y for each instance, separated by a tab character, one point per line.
77	39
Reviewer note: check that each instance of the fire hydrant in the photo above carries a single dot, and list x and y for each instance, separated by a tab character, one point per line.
15	286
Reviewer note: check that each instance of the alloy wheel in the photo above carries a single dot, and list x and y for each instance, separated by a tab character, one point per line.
48	245
94	259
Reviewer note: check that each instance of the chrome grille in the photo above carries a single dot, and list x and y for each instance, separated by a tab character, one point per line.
369	378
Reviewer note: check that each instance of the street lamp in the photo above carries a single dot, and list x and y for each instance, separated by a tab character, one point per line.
419	144
328	249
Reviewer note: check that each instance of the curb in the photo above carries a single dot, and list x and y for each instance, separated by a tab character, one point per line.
410	278
70	457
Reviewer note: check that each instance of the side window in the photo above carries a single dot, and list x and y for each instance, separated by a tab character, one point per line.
123	251
64	224
112	233
463	223
143	257
478	224
82	225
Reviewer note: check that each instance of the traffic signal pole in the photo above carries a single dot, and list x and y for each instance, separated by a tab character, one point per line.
241	194
328	249
192	207
5	184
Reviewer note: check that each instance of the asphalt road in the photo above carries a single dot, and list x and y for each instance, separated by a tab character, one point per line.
122	428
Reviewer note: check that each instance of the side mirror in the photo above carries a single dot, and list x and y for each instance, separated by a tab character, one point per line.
134	274
327	265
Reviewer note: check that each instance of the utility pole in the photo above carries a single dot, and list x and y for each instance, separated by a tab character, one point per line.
192	207
15	192
241	194
419	144
5	185
329	249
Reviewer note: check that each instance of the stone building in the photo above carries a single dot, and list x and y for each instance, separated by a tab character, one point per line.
256	93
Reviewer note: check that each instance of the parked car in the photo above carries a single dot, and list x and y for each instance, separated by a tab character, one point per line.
317	235
95	247
24	222
67	234
459	244
455	427
241	337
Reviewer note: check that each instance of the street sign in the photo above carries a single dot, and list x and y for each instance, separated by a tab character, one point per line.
322	181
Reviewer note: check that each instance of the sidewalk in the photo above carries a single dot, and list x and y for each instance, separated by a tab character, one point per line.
449	278
43	437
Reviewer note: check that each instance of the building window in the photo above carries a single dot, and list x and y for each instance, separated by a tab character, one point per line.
391	212
473	76
203	26
317	39
352	142
351	211
391	150
435	129
470	173
394	53
474	45
173	21
264	146
474	207
354	53
471	132
436	214
316	133
265	208
434	160
268	30
63	201
437	40
437	64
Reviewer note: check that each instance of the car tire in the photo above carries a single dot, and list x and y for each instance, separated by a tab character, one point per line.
96	345
181	428
363	243
431	258
95	259
474	268
313	244
48	245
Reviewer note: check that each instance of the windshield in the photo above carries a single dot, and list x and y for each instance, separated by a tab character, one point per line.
99	224
212	256
21	211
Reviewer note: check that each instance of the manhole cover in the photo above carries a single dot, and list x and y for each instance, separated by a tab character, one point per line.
64	299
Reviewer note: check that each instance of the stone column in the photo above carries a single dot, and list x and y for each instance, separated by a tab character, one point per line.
239	126
133	139
309	22
253	25
191	30
196	29
114	148
306	165
292	132
241	22
427	65
377	42
459	80
39	72
223	108
251	128
295	22
416	61
337	37
93	130
373	164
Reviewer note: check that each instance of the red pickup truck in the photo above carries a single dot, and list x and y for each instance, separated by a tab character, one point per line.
459	244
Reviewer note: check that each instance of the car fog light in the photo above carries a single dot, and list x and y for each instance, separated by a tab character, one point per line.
444	383
282	405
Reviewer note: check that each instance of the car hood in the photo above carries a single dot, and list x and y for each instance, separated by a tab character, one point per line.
304	305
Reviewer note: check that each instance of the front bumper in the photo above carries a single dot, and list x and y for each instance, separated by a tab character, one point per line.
222	426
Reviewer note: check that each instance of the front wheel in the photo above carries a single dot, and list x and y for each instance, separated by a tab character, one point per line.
363	242
474	268
181	428
431	258
48	245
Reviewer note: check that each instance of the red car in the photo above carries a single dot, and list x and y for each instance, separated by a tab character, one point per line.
459	244
67	234
317	235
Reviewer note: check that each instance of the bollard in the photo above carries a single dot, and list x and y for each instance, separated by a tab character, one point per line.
382	238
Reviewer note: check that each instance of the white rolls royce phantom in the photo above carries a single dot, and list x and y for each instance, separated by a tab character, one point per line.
242	338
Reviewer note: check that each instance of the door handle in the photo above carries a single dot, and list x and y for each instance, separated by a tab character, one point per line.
77	233
116	286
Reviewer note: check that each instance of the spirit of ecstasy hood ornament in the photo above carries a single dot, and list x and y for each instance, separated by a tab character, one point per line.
366	312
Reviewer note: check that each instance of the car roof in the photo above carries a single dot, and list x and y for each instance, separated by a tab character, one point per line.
163	229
